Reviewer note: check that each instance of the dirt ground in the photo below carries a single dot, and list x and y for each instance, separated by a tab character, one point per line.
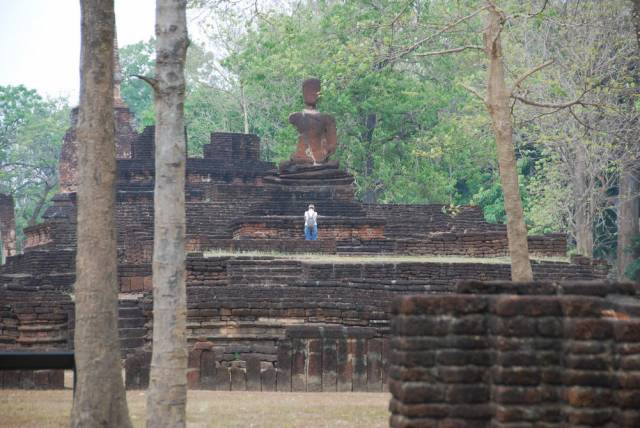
47	409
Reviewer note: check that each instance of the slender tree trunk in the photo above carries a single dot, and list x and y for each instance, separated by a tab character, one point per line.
8	247
628	212
370	195
497	102
167	395
243	105
100	398
582	218
41	202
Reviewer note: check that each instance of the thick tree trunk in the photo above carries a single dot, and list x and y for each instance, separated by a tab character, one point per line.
628	212
167	395
100	397
497	102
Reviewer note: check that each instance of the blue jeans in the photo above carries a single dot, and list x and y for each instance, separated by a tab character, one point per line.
311	233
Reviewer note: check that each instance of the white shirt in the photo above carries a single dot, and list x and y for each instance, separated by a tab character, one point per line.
310	218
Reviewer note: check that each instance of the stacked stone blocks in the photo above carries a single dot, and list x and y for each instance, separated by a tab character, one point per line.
517	355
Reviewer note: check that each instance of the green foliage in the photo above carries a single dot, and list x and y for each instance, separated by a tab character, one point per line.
424	147
138	59
208	106
31	134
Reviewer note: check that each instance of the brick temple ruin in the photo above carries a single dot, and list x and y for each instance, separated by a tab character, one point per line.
260	322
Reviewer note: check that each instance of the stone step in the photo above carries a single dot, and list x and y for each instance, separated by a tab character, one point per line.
131	322
130	343
131	333
130	313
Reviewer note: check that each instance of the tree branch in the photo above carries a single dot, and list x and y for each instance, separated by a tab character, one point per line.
430	37
529	73
149	80
450	51
402	11
531	15
577	101
474	91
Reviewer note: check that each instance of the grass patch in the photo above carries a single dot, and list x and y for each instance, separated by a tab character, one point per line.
374	258
48	409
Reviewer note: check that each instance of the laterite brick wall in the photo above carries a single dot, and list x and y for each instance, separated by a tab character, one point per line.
517	355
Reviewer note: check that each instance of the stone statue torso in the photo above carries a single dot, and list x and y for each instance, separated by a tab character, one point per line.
317	140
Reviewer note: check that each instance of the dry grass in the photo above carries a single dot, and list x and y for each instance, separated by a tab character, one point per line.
48	409
377	258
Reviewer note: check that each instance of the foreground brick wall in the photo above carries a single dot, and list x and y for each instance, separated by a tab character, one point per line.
308	358
517	355
34	319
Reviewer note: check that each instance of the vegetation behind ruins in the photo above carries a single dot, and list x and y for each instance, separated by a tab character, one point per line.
409	131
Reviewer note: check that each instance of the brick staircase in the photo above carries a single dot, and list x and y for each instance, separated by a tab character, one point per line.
131	326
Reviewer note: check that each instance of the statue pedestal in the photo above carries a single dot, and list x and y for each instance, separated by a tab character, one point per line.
303	174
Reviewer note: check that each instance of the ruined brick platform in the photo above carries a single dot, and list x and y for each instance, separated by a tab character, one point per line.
259	322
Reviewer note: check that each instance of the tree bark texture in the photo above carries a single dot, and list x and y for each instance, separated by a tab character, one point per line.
8	247
628	212
167	395
629	187
100	397
583	217
497	102
370	195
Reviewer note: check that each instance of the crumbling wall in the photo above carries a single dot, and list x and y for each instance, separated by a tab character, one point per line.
308	358
126	134
34	319
505	354
413	221
290	227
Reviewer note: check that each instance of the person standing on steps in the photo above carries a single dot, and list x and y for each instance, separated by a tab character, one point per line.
311	224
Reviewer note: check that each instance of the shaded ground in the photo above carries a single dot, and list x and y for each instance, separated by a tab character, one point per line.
19	408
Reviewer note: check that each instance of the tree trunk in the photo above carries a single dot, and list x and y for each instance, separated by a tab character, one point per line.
8	247
41	203
582	218
370	195
243	105
497	103
100	398
628	212
167	395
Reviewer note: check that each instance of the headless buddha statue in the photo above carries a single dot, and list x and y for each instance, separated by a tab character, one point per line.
317	138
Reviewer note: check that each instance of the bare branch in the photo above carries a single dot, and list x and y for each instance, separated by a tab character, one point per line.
450	51
531	15
544	6
474	91
150	81
399	15
529	73
577	101
430	37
